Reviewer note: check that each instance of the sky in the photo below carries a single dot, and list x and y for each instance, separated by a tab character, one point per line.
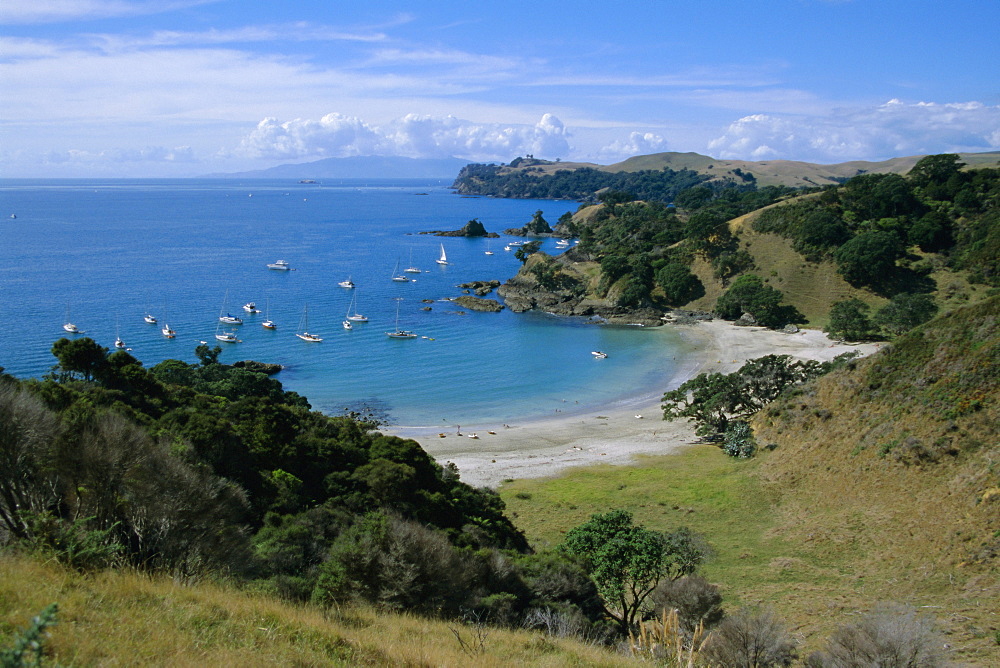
177	88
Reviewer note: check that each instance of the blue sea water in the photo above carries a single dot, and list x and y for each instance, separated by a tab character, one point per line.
104	253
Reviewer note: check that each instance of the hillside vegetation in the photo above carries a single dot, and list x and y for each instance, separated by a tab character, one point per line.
880	482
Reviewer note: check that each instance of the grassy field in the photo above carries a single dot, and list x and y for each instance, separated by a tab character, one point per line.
812	559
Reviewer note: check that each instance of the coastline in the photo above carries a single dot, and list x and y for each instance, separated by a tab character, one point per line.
619	432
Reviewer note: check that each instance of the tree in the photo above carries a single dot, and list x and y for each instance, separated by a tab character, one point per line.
714	400
679	285
207	355
935	169
527	250
849	321
749	294
905	311
81	356
869	258
627	562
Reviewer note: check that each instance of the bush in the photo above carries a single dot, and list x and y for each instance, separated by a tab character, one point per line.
749	639
849	321
749	294
738	440
891	636
695	599
904	312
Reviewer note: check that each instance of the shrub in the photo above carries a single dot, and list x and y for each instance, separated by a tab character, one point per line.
695	599
749	639
738	441
891	636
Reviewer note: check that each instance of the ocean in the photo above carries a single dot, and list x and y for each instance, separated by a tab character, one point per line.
103	253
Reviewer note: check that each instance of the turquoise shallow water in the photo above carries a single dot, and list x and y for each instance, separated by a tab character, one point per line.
103	253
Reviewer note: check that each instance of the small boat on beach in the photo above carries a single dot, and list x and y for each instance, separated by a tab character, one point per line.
279	265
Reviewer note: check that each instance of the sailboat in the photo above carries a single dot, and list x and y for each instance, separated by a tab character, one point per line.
303	332
396	276
444	258
118	337
69	326
268	323
355	317
227	337
411	269
488	249
346	284
400	333
167	332
226	317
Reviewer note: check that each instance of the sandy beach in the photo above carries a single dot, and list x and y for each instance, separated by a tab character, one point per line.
615	434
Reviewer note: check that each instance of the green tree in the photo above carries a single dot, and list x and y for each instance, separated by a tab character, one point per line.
81	356
749	294
869	258
935	169
627	562
849	321
714	400
207	355
904	312
527	250
679	285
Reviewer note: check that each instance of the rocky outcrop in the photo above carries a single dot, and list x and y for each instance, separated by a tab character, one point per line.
478	304
481	288
523	292
537	227
473	228
260	367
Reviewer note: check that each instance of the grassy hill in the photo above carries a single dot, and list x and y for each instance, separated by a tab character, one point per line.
791	173
128	618
883	486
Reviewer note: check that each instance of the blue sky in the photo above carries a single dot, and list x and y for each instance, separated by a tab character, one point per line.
188	87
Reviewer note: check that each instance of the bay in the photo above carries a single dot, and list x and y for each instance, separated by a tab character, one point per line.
104	253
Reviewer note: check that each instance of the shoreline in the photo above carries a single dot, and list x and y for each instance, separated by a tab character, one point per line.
617	433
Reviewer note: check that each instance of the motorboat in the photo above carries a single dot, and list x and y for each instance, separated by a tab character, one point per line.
598	354
348	325
149	319
346	284
251	307
279	265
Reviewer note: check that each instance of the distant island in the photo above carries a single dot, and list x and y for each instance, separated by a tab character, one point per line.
357	167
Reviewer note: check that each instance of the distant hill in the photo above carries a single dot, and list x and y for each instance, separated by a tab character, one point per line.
359	167
792	173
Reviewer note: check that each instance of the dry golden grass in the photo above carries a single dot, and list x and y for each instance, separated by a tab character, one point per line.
122	618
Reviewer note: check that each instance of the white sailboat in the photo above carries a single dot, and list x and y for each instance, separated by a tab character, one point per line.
355	316
268	323
444	258
228	318
224	336
398	277
167	332
69	326
118	337
400	333
411	269
489	251
303	332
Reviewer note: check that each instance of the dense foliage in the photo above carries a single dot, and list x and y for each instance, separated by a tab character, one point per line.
868	224
577	184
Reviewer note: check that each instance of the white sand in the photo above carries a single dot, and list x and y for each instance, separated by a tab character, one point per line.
616	435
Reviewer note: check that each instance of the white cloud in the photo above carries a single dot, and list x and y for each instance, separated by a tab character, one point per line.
414	135
638	143
892	129
146	154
